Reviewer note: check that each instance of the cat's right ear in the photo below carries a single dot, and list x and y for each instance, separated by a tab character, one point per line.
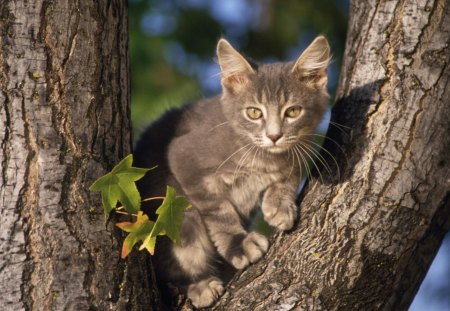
234	69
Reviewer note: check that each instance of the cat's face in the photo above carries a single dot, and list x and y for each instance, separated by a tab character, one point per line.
275	106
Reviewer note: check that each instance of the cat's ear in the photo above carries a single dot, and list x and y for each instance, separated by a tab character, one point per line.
311	66
234	69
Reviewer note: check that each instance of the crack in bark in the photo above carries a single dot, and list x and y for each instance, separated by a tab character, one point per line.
389	66
355	57
27	199
414	123
72	36
4	30
406	150
5	144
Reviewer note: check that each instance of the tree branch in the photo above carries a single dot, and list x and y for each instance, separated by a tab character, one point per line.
365	242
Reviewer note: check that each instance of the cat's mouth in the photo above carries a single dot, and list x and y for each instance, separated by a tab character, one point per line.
276	148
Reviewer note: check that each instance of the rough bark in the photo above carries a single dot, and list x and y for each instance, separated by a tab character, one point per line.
64	121
365	240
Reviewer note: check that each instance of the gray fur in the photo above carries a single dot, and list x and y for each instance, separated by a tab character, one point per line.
227	164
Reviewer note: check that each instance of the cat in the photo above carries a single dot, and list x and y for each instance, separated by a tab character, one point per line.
229	155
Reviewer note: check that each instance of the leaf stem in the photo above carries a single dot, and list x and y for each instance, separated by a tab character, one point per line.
121	207
126	213
153	198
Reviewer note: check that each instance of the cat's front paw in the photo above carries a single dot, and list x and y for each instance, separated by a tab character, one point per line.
279	213
253	247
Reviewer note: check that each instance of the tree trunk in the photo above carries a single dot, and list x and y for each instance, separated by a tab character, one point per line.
365	240
64	121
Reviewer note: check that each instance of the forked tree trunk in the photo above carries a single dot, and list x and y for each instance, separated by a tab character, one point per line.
64	120
366	240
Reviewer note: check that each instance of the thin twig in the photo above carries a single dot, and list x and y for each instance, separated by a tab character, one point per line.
153	198
126	213
121	207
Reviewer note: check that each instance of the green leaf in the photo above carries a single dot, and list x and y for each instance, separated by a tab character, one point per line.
124	167
109	199
119	185
129	196
138	231
170	218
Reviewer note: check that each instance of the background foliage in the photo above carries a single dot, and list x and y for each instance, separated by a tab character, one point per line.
172	43
172	48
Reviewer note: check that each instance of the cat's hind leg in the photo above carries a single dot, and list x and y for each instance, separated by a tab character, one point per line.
197	259
205	292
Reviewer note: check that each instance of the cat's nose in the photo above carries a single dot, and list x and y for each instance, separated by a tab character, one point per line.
275	137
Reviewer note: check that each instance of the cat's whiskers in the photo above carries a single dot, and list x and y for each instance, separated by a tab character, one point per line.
291	138
341	127
217	74
293	162
227	159
257	150
300	162
308	154
331	156
330	139
214	127
304	161
301	172
315	151
241	163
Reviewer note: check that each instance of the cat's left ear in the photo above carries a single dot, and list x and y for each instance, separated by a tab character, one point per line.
311	66
235	71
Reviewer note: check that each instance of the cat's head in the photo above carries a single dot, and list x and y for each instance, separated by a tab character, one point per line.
275	105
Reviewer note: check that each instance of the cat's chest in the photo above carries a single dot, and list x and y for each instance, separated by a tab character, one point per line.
243	188
246	190
231	182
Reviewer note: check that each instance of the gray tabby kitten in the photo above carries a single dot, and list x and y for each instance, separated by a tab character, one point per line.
230	155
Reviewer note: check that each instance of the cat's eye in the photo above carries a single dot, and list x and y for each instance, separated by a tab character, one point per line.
293	112
254	113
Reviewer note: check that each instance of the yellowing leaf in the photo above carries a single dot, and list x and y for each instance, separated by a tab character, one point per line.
138	231
316	255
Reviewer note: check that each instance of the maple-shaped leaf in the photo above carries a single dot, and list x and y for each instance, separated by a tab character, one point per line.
119	185
138	231
170	217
